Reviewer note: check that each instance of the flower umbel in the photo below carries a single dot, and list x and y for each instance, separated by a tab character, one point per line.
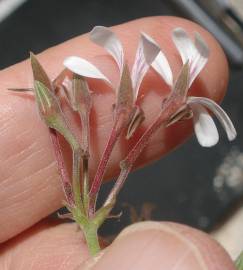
81	193
126	113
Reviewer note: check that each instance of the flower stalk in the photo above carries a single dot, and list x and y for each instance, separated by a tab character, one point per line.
66	184
123	109
169	109
82	104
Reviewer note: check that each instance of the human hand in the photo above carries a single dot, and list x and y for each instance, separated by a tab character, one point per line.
30	188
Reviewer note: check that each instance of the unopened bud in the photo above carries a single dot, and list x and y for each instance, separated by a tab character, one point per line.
50	111
48	104
39	73
81	94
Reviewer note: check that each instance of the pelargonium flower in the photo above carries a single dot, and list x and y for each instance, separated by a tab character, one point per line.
104	37
126	112
195	56
146	53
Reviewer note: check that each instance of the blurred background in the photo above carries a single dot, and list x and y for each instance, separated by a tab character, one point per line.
193	185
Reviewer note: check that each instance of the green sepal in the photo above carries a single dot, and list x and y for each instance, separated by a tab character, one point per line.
136	120
180	87
102	214
51	113
39	73
125	96
81	94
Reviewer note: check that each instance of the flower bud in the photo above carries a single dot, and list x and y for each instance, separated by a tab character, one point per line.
48	104
39	73
51	113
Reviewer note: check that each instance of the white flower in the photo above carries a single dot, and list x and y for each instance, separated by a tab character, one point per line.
195	54
104	37
205	129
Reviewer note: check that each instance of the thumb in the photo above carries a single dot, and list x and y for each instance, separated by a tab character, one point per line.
161	245
146	245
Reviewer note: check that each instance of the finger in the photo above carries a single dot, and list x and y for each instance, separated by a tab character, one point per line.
29	181
154	245
46	246
146	245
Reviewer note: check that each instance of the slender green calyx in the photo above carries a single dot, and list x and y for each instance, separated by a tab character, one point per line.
136	120
51	113
47	103
125	92
180	87
39	73
182	114
239	262
102	214
81	94
81	102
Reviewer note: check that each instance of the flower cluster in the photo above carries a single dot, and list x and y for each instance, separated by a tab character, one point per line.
194	54
81	192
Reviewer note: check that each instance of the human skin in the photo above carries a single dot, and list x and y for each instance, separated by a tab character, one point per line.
29	182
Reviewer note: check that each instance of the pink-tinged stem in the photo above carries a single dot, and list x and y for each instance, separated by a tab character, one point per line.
82	104
85	157
126	165
66	184
123	110
114	135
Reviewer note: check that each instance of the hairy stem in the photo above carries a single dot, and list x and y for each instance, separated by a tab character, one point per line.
127	163
89	228
84	116
82	104
65	181
123	110
76	178
86	184
103	162
114	135
171	106
118	185
92	240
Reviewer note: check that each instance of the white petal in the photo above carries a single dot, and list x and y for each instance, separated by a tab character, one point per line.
162	66
200	59
218	112
184	45
105	38
204	127
197	54
145	55
84	68
150	48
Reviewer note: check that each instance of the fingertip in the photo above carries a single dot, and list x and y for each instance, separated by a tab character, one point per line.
154	245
